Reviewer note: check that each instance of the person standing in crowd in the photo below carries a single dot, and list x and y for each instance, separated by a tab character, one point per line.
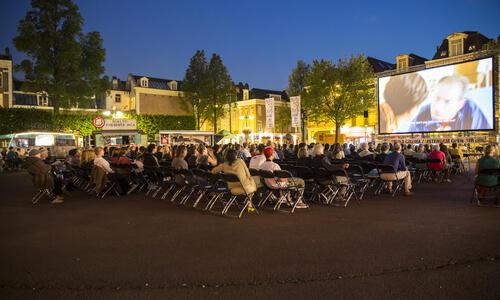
258	160
42	176
233	165
397	161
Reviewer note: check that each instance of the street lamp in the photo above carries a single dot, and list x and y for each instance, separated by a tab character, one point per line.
246	119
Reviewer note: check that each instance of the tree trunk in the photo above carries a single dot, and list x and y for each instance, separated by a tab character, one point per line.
198	125
337	132
215	116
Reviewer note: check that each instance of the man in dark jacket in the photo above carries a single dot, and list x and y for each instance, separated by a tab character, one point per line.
42	176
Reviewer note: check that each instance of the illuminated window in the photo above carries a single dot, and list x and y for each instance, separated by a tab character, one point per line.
173	85
245	94
144	82
118	98
456	47
259	110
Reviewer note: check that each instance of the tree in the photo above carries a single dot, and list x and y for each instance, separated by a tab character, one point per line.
283	119
296	80
338	92
62	61
220	89
195	87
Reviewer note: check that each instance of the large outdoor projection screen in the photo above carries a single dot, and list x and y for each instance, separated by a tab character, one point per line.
454	97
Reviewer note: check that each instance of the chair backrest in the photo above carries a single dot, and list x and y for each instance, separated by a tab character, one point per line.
489	172
282	174
339	172
230	178
254	172
200	173
304	172
355	169
386	169
266	174
434	161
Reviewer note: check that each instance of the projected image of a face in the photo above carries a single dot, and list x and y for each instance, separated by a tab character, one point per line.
449	98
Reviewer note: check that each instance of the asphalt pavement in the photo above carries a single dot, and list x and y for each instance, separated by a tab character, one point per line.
432	245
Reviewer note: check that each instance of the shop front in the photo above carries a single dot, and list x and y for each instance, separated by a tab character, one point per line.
118	132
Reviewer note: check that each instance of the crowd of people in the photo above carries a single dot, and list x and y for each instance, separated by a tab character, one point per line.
240	159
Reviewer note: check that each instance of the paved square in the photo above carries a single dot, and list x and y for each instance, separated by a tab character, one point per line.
434	244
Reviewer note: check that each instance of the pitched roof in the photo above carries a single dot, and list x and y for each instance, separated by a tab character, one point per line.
120	86
157	83
256	93
473	42
380	65
417	60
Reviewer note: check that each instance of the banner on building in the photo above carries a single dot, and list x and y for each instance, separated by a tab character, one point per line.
269	113
295	110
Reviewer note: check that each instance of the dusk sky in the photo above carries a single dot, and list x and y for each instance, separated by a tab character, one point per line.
260	41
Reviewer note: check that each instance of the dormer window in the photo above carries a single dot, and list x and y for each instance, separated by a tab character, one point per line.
456	47
173	85
144	82
246	94
402	63
276	97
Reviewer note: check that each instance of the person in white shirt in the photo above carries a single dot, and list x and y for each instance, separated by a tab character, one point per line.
259	159
364	150
245	151
100	161
271	166
122	181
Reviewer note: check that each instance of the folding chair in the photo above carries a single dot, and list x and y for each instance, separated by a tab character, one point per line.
345	188
288	188
488	192
361	182
218	191
436	174
388	174
307	175
246	199
269	183
326	186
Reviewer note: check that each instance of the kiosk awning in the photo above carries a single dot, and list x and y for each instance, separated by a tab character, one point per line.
118	132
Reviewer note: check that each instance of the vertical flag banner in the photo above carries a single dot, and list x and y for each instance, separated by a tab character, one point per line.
295	110
269	113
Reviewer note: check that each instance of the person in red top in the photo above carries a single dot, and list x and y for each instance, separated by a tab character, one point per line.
436	154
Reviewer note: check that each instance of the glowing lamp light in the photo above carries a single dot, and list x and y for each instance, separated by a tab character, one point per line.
107	113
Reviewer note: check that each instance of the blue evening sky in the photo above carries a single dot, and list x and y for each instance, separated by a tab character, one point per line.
260	41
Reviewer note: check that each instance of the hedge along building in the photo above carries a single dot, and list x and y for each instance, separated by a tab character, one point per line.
456	48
